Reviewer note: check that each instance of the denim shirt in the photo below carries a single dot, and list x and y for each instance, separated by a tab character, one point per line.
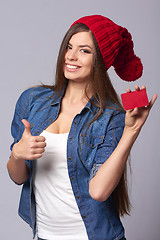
86	152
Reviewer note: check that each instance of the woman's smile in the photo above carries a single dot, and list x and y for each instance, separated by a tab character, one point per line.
71	67
79	57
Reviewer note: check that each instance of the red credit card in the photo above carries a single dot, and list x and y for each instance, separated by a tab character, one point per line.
130	100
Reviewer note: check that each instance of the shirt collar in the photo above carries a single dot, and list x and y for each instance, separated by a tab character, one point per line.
91	107
57	97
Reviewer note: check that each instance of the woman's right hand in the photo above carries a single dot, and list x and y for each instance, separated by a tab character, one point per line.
29	147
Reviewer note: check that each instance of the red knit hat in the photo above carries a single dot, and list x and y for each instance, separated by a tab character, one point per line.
116	46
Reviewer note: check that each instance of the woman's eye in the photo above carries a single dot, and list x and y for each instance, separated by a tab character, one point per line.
85	51
69	47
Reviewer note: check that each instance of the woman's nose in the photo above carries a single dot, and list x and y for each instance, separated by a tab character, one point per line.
72	55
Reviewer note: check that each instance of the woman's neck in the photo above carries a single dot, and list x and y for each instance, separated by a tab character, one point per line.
75	93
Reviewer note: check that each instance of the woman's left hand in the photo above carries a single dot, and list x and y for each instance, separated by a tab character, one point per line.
135	118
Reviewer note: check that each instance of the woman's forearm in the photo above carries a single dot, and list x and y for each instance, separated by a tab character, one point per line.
109	174
17	169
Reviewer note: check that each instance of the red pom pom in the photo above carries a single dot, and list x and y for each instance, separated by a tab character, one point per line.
127	65
131	71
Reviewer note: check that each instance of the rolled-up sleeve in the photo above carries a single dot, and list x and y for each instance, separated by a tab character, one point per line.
21	111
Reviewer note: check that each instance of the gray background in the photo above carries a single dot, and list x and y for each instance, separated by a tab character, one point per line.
31	32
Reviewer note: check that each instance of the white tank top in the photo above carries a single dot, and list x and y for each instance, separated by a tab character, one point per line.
58	216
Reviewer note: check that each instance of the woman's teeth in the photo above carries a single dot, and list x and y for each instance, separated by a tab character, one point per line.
72	67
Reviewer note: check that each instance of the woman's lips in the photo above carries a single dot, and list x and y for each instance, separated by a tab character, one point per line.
71	67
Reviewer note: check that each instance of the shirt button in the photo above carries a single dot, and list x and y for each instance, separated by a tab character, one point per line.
74	122
37	132
77	197
70	138
32	125
69	158
84	216
72	178
50	120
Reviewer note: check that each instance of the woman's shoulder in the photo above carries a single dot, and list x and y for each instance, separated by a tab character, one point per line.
113	112
37	92
113	108
32	95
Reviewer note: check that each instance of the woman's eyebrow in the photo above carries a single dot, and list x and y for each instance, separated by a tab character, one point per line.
85	45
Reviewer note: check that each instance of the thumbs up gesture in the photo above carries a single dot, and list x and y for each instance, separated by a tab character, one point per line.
29	147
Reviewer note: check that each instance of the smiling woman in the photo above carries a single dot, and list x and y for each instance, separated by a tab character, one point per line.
79	57
72	139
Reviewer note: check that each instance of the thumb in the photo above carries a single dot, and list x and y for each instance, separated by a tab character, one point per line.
27	126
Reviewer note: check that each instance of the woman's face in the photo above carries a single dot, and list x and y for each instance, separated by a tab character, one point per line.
78	57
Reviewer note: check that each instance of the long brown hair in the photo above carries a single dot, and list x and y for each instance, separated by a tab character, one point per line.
103	90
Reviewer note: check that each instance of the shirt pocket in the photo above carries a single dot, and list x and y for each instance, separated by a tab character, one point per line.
87	149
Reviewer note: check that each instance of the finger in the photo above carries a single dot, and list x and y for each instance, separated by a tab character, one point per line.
128	90
36	156
40	139
129	110
137	88
40	145
151	103
38	150
133	112
143	87
27	126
